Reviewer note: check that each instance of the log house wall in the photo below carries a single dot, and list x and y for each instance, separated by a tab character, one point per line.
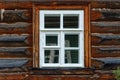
16	35
16	42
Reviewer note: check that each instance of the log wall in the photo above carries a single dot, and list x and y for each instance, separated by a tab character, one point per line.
16	36
16	42
105	35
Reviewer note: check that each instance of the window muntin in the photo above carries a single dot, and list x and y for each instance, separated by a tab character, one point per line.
63	38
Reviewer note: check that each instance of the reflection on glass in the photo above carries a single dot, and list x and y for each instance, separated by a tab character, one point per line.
70	21
52	21
51	56
51	40
71	40
71	56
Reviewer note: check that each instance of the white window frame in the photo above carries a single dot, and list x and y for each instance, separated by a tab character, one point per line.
61	32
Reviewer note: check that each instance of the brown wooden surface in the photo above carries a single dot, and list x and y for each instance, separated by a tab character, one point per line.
60	77
14	76
105	15
112	4
100	51
105	21
18	28
105	39
16	36
15	5
105	32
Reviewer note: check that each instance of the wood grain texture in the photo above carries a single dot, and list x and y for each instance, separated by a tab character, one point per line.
105	39
15	5
105	63
62	71
104	4
60	77
104	52
105	29
18	28
15	40
105	15
16	37
12	62
14	76
16	15
15	52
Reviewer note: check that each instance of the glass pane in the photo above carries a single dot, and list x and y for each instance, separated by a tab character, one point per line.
52	21
51	40
71	56
51	56
71	40
70	21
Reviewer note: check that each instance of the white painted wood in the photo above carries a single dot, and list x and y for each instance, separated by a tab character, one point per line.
60	32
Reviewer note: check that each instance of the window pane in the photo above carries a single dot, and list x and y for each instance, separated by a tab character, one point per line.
71	56
51	56
71	40
51	40
52	21
70	21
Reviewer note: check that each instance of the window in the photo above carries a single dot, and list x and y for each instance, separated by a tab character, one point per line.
62	36
61	40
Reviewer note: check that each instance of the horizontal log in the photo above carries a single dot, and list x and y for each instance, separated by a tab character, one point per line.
14	25
106	4
13	75
62	71
12	63
102	52
15	52
105	15
106	63
106	24
16	5
16	15
15	40
60	77
19	27
105	29
105	39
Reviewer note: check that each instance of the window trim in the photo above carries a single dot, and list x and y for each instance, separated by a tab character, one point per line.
87	41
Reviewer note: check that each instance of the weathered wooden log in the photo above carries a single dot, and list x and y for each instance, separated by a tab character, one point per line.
13	38
16	15
102	51
110	49
106	63
65	71
107	24
18	28
15	5
14	25
105	15
105	29
12	62
15	51
106	4
107	39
